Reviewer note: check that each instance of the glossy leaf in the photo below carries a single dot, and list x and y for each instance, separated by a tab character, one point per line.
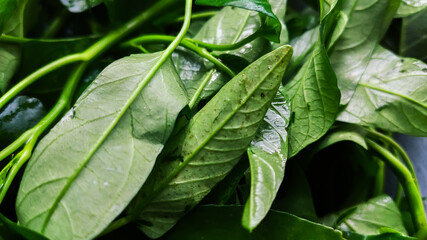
12	231
376	216
222	222
409	7
391	95
77	6
384	236
214	141
267	155
273	26
82	175
367	23
414	36
352	133
21	114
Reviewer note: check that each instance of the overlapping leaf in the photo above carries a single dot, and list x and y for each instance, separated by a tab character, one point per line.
409	7
391	95
80	5
267	155
84	173
367	22
213	143
413	38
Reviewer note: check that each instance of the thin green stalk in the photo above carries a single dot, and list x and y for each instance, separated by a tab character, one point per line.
408	183
16	144
166	54
388	140
92	52
196	95
399	194
165	38
199	15
56	24
379	179
21	158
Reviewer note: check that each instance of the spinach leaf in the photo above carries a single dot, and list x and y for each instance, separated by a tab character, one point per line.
272	29
390	95
414	36
347	132
376	216
212	144
409	7
77	6
384	236
6	10
12	231
267	155
222	222
9	53
279	9
84	173
367	23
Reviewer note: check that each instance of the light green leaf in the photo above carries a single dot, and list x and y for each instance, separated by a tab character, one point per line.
222	222
267	155
409	7
391	95
414	36
82	175
214	141
376	216
367	22
77	6
272	26
384	236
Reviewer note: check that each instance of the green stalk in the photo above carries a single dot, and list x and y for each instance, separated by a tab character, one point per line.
200	15
388	140
186	43
92	52
166	54
379	178
16	144
196	95
408	182
21	158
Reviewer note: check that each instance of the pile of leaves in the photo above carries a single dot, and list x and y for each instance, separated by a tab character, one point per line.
216	119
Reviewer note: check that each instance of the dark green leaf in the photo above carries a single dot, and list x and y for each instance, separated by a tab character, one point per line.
378	215
18	116
272	24
83	173
409	7
267	155
12	231
390	95
7	8
414	36
222	222
367	22
214	141
279	9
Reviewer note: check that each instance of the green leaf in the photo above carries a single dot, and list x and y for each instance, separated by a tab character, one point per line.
409	7
222	222
21	114
367	22
376	216
390	95
313	94
272	24
7	8
10	54
214	141
414	36
267	155
83	174
348	132
12	231
279	9
77	6
384	236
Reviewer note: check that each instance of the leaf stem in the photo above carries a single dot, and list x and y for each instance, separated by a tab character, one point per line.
388	140
199	15
92	52
186	43
196	95
16	144
408	182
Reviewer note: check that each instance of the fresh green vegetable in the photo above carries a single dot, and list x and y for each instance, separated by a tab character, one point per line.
211	119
